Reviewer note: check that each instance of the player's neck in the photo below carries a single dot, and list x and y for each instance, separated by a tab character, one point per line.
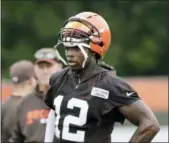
21	91
82	73
43	87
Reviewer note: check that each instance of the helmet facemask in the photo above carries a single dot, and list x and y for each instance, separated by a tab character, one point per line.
71	37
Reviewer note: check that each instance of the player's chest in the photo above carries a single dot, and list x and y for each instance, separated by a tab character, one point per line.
85	98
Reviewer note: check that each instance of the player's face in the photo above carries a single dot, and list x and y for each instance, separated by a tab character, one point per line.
44	70
74	57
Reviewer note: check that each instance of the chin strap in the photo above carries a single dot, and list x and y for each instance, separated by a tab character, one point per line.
84	54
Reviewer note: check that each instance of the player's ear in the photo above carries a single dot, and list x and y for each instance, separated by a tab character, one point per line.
29	81
32	82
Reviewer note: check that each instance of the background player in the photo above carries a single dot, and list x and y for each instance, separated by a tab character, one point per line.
88	99
32	112
23	82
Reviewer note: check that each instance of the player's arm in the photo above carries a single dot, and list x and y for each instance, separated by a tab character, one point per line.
17	135
2	123
141	115
50	127
126	100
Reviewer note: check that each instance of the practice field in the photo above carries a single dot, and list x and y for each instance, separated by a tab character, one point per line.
123	134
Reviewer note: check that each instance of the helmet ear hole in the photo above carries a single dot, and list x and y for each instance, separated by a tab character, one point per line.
101	44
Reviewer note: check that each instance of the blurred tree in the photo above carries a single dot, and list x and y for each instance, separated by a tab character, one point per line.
139	31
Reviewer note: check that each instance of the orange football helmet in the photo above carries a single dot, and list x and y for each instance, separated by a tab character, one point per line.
88	29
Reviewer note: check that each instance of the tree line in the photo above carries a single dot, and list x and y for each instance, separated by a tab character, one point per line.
139	32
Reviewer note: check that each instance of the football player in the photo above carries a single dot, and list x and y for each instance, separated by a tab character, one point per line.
88	99
23	82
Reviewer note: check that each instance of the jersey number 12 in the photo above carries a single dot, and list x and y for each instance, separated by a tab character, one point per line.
69	119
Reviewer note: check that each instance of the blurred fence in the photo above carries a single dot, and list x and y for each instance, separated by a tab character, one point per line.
153	90
123	134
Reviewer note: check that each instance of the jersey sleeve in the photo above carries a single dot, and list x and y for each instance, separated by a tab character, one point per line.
121	93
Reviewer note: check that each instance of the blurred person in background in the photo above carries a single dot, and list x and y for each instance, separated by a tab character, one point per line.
32	112
23	82
88	99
